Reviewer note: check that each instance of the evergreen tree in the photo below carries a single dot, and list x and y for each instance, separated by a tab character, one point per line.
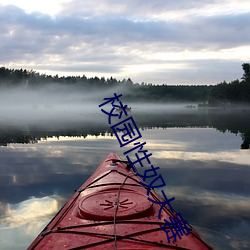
246	69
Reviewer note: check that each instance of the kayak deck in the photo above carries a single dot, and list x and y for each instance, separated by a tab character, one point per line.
111	210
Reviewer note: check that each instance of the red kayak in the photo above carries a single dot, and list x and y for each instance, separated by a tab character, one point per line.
112	210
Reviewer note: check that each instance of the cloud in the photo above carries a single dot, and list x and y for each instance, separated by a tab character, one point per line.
137	9
116	30
126	39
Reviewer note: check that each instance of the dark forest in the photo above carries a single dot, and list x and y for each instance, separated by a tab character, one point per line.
224	93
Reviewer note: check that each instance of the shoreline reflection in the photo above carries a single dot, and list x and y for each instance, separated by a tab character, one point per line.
203	168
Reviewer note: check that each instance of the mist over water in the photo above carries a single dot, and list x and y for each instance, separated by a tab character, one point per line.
64	103
55	102
59	107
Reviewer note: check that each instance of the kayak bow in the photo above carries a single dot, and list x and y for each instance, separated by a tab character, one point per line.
111	211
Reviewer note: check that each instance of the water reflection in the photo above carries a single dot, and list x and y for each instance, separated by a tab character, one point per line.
233	121
29	210
204	169
20	222
236	157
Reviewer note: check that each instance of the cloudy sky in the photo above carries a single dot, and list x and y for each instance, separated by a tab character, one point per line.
157	41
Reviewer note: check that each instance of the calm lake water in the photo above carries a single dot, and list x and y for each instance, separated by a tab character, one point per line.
44	158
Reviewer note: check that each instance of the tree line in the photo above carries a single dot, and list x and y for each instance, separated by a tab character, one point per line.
236	91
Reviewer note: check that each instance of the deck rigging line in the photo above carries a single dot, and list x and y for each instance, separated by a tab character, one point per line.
117	205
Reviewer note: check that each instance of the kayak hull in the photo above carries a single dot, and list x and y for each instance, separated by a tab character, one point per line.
111	210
